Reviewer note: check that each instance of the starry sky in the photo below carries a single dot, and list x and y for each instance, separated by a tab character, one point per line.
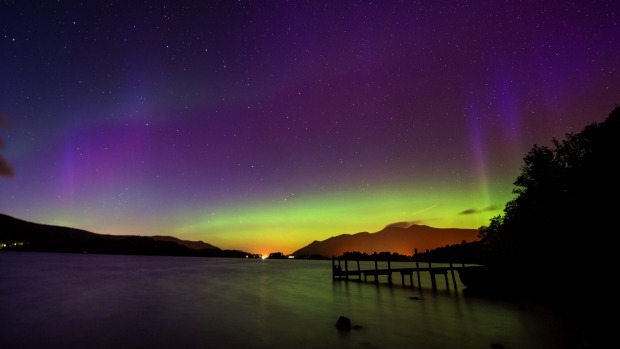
265	125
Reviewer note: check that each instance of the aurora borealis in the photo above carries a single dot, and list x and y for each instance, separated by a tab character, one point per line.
264	125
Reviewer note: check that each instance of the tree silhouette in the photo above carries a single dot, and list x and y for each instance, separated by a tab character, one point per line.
564	209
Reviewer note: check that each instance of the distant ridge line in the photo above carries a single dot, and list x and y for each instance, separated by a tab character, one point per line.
393	239
20	235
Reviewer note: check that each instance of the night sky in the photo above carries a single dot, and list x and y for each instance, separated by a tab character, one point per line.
265	125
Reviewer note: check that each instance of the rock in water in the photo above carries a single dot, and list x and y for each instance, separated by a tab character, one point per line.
343	323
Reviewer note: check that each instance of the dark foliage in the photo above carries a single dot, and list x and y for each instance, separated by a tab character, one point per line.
381	256
563	212
277	255
467	252
554	242
564	209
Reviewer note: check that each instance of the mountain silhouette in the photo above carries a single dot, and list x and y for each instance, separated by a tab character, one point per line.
393	239
195	245
22	235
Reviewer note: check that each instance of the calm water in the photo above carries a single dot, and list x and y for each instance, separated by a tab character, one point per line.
103	301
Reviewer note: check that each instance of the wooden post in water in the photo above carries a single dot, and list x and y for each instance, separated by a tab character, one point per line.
432	275
402	278
417	267
453	278
376	271
389	273
336	270
346	269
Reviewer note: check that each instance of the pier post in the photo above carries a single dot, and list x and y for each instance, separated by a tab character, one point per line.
376	271
453	278
336	270
417	267
432	274
389	273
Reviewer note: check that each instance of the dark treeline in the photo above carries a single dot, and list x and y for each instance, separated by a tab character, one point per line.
363	256
469	253
381	256
563	212
555	236
553	243
564	209
565	205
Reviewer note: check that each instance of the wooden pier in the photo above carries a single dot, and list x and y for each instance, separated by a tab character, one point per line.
341	270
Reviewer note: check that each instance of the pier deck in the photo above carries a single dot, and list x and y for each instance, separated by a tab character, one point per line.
341	270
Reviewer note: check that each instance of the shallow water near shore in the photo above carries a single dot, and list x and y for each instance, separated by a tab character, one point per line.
59	300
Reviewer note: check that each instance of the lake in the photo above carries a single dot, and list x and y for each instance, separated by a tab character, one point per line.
55	300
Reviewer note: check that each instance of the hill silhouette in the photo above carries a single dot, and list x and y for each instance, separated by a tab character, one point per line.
195	245
20	235
393	239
